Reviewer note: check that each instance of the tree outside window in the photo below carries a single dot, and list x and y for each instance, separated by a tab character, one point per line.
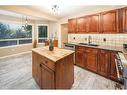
12	34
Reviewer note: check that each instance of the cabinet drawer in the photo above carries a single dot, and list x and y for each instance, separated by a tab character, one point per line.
79	48
93	50
47	63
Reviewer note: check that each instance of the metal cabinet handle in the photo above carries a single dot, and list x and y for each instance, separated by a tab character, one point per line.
40	65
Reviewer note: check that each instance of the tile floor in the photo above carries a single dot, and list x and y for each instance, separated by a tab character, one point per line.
16	73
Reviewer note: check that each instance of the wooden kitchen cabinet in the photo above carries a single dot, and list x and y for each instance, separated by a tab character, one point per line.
94	23
72	26
80	56
113	72
47	77
100	61
91	58
104	63
65	73
124	14
53	70
36	68
109	22
82	25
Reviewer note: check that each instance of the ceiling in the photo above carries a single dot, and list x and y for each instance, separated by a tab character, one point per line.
65	11
44	12
17	15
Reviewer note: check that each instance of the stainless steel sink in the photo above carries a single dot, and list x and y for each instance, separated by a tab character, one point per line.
88	44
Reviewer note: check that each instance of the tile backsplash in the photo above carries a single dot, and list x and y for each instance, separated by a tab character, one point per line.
111	39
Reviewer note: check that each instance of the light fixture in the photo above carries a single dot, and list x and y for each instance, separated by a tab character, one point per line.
26	22
55	9
24	25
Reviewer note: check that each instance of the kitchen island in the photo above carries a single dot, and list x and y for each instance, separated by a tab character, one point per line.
53	69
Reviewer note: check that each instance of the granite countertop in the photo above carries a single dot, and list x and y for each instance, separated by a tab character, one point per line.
54	55
122	52
106	47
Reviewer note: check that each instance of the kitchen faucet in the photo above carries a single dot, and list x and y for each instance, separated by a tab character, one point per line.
89	40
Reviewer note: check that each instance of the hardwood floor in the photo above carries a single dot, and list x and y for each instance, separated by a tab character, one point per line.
16	73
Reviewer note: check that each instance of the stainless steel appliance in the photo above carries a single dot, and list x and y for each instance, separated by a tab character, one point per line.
70	47
125	48
121	71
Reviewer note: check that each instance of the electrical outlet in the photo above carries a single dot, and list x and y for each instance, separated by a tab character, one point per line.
104	39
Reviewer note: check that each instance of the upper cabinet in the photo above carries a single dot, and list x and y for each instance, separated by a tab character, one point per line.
88	24
72	26
124	10
109	22
82	25
93	23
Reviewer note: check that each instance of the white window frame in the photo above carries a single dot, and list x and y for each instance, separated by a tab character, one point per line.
16	22
38	31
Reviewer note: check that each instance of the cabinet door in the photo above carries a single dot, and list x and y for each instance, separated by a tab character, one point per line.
93	21
109	22
79	56
91	58
65	72
113	72
72	25
47	77
36	68
81	25
125	20
104	62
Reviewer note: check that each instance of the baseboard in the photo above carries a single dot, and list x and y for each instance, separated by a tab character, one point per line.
15	54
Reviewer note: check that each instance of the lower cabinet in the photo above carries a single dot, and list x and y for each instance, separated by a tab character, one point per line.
104	63
80	56
47	77
113	72
91	58
97	60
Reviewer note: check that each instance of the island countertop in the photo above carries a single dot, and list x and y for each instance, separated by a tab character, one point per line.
55	55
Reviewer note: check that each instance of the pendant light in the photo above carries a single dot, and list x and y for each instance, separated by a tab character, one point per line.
26	22
24	25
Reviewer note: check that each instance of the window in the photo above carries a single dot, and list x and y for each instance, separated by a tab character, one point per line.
12	34
42	33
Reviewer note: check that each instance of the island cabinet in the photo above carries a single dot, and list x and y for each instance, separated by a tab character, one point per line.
72	25
109	22
53	69
97	60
